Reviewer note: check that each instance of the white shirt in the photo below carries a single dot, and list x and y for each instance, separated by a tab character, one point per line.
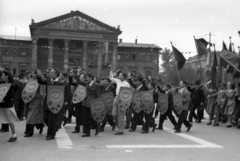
119	83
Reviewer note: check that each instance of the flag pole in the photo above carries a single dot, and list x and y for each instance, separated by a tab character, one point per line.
176	66
198	57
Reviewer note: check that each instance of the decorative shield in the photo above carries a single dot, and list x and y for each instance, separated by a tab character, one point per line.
79	94
98	109
147	102
177	102
55	98
162	103
30	90
136	103
125	97
4	90
108	99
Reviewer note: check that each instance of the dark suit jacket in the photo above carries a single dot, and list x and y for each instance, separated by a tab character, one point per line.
109	88
143	88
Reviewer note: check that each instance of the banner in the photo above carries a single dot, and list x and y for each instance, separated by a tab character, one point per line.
136	103
177	102
98	109
4	90
79	94
162	103
147	101
30	90
55	98
108	99
125	97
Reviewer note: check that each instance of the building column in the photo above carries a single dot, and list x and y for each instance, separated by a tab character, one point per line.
114	61
50	53
106	47
99	66
34	53
85	59
65	59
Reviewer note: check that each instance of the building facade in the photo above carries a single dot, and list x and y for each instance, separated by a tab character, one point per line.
76	39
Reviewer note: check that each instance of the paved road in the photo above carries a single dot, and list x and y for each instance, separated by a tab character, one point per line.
202	143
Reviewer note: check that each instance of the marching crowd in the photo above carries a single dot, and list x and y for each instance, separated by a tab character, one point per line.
221	103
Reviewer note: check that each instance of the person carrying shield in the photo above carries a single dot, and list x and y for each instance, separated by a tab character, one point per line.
117	113
7	111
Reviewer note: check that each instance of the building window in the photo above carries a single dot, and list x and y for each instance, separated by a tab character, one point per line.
148	58
134	57
22	67
118	57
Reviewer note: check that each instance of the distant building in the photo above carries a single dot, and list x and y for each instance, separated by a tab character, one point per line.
76	39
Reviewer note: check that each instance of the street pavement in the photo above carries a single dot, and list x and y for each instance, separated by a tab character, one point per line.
202	143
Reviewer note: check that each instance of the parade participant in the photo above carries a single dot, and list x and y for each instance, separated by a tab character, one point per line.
139	85
7	112
78	106
93	91
117	112
50	118
168	113
67	98
231	103
197	99
71	108
211	100
219	104
185	103
35	111
4	128
107	86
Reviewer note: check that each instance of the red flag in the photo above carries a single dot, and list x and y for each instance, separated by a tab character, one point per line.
224	46
179	58
201	45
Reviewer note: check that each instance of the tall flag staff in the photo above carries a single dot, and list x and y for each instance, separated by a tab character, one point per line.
179	58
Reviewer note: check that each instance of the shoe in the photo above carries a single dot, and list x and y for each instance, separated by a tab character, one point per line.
113	127
27	135
160	128
131	130
40	130
76	131
215	124
209	123
12	139
154	127
65	122
119	133
229	126
101	130
198	121
177	131
126	127
144	132
49	138
97	130
4	130
86	135
189	127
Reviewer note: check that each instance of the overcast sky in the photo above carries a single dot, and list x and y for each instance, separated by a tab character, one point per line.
152	21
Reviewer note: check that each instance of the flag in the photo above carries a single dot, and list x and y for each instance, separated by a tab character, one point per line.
224	46
201	45
230	46
179	58
214	70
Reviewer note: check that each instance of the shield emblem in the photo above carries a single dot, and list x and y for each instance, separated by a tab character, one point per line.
108	99
4	90
55	98
147	102
98	109
177	102
79	94
162	103
125	97
30	90
136	103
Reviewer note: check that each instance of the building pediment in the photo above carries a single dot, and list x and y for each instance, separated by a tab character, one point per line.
75	21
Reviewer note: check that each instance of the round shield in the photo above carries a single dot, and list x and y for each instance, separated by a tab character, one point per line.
3	91
137	98
97	107
81	91
108	100
56	95
125	95
177	100
32	86
147	98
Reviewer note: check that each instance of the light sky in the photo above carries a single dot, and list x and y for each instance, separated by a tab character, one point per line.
151	21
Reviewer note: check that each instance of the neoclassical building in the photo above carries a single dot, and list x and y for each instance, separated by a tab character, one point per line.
76	39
